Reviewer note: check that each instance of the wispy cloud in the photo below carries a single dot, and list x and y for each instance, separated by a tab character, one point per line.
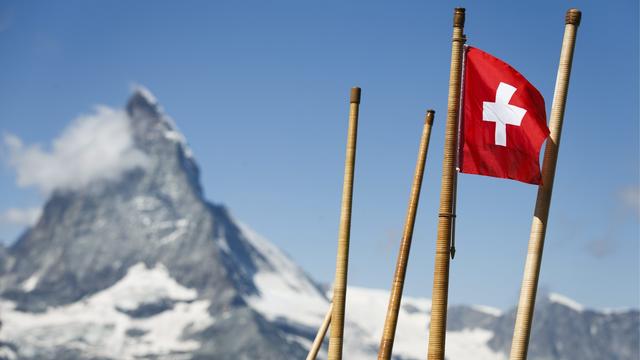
15	216
93	147
602	246
630	197
627	207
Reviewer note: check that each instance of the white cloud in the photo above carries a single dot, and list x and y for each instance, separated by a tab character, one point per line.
627	207
15	216
93	147
630	196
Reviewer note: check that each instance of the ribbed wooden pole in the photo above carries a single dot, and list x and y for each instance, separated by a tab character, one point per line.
522	331
391	321
322	331
342	260
439	294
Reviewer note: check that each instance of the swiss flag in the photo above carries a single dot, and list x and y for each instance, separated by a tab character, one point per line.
504	122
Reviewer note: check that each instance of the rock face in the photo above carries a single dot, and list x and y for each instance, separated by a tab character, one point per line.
143	267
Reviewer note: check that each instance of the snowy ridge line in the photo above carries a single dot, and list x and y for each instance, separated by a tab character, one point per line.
617	311
563	300
487	310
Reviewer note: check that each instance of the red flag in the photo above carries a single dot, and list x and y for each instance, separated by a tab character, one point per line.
504	122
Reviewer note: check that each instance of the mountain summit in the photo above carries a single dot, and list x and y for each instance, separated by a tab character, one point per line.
143	267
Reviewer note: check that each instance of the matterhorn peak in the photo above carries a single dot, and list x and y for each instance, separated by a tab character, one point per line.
144	92
143	101
150	122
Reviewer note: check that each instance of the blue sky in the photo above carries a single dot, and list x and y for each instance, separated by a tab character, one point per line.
260	90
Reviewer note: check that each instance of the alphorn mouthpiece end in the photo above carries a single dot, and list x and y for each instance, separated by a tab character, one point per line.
573	17
458	17
429	118
355	95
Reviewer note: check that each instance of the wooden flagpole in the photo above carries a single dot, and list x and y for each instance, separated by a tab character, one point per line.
388	334
439	294
522	330
342	260
322	331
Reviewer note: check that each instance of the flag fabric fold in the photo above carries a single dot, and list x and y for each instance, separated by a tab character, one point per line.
503	121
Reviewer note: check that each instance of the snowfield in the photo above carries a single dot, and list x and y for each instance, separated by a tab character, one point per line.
99	325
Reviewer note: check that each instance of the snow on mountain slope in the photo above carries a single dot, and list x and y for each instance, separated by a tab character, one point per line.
366	309
285	292
106	323
563	300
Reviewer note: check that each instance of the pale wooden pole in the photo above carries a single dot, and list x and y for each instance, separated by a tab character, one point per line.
439	294
391	321
522	330
342	260
322	331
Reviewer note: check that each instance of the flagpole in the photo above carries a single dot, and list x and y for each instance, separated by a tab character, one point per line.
388	334
322	331
342	259
441	268
522	330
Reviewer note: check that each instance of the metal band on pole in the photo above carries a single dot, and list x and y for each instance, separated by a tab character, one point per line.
322	331
342	260
522	330
439	294
391	321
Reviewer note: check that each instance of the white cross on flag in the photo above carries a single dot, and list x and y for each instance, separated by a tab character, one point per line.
504	122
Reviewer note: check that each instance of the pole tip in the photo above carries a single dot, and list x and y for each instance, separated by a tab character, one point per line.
355	95
573	17
458	17
429	118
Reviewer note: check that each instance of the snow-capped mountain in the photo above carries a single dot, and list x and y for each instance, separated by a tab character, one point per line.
143	267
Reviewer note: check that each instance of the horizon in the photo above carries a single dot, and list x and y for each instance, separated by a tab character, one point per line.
263	106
